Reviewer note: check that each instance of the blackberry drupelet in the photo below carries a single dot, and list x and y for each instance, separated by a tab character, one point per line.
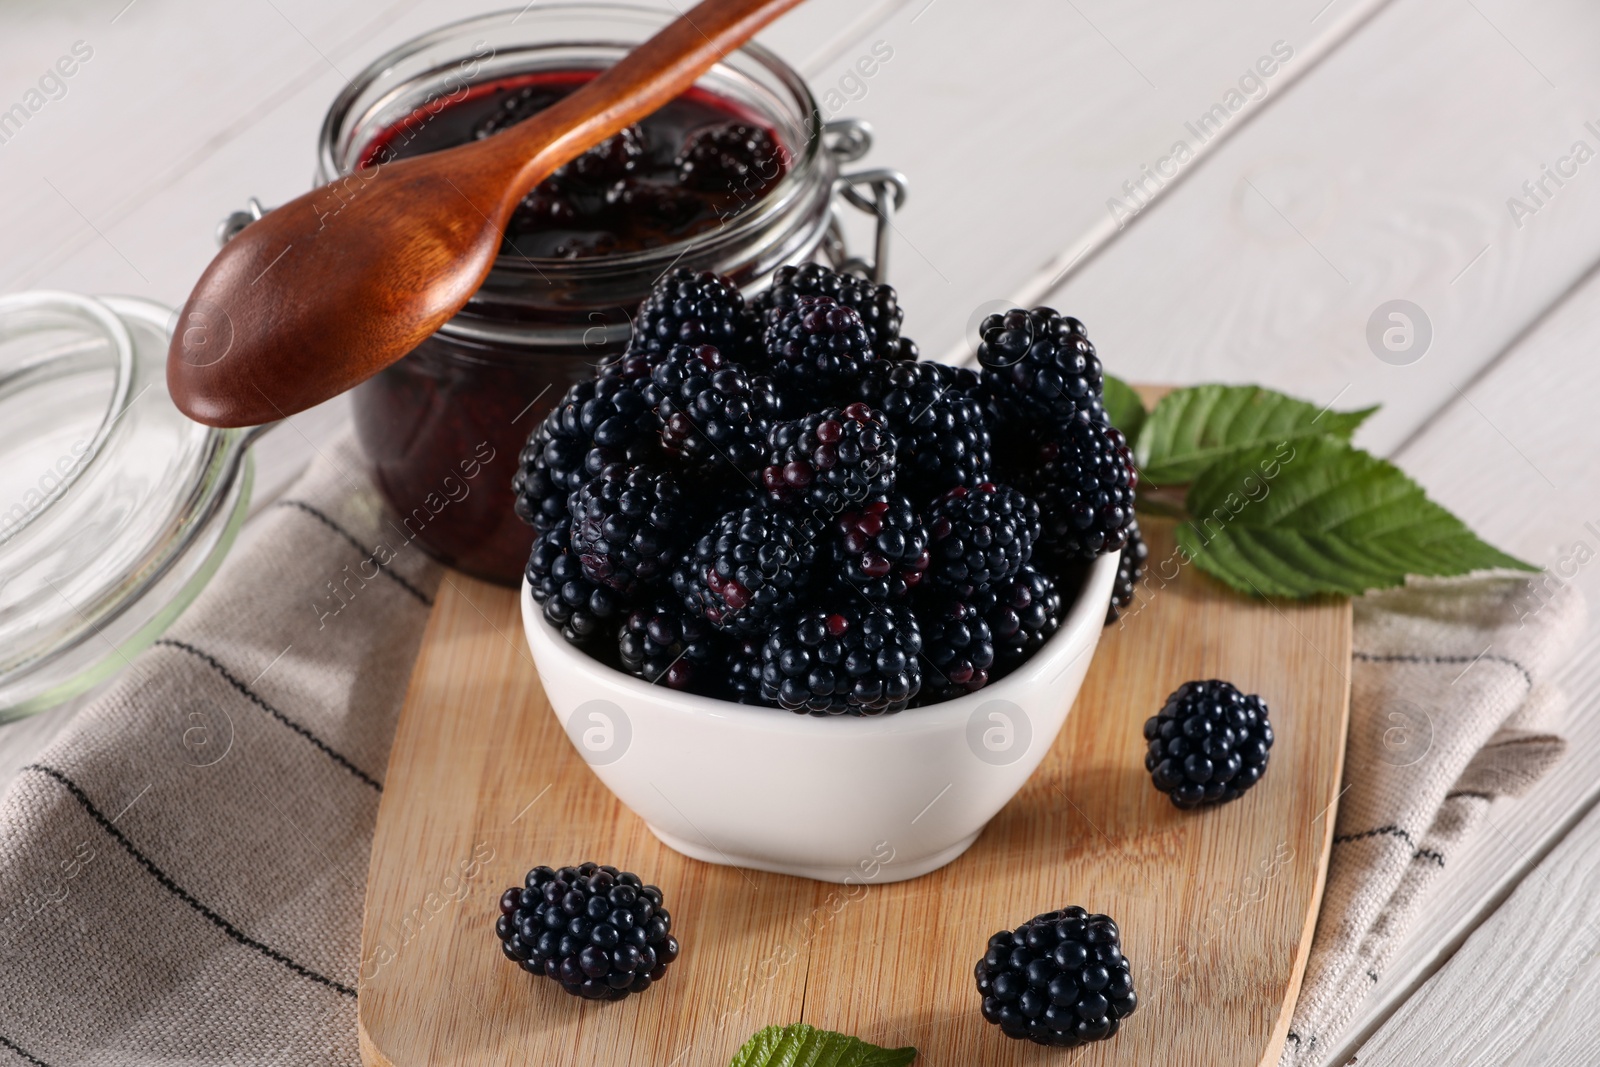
957	641
940	427
713	412
688	308
750	566
1022	614
981	535
853	661
1085	486
1130	571
744	670
1058	979
665	645
1043	361
832	460
599	421
575	605
1208	744
628	526
732	157
818	348
877	305
600	932
881	548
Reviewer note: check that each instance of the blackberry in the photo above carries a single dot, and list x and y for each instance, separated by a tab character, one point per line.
981	535
1208	744
736	158
744	670
612	159
599	421
1023	613
713	412
575	605
665	645
941	429
957	642
1085	488
602	933
1130	570
1058	979
831	460
1044	361
856	661
751	565
877	305
628	526
665	208
882	548
688	308
818	347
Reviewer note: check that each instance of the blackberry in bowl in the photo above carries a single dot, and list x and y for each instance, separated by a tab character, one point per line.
804	641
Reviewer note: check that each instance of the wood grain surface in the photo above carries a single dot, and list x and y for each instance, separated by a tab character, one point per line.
1217	907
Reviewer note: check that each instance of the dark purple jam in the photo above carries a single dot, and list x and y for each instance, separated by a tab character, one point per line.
676	174
443	426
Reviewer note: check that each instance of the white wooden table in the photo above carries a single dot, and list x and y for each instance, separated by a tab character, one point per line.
1335	155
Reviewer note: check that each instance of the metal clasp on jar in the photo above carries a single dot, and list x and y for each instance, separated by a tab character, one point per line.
878	191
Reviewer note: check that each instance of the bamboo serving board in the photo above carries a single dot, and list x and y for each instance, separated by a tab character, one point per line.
1216	907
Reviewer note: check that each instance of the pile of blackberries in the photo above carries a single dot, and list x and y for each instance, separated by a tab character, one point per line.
776	502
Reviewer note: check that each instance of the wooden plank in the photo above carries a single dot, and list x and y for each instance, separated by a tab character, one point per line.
1542	950
1217	908
1514	457
1385	174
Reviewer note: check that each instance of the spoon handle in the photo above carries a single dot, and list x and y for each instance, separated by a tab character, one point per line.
639	84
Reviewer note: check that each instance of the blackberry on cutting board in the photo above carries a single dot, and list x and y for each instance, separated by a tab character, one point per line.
1085	487
599	421
600	932
1043	361
818	348
1058	979
689	308
628	526
856	660
574	604
666	645
730	157
1130	571
941	429
750	566
832	460
1022	613
877	305
981	535
880	549
713	412
958	645
1208	744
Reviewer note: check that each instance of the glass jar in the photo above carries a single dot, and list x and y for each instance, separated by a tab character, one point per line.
443	427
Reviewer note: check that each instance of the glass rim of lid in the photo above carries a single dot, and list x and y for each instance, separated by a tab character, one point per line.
138	512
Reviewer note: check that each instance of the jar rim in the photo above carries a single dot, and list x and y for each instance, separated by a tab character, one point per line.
743	224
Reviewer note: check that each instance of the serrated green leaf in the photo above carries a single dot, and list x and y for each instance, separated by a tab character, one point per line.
1124	408
1318	515
806	1046
1192	428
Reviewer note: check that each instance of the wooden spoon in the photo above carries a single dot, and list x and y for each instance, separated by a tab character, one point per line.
330	288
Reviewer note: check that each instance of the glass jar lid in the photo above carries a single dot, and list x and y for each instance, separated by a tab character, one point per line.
115	509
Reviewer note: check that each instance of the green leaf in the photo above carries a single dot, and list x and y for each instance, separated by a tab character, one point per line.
1190	429
806	1046
1124	408
1318	515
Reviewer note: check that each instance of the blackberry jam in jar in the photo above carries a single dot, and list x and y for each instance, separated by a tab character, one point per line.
736	176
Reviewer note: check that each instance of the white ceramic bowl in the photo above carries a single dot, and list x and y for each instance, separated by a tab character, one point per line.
838	798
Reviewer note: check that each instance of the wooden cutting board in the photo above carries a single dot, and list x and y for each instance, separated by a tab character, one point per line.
1217	907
